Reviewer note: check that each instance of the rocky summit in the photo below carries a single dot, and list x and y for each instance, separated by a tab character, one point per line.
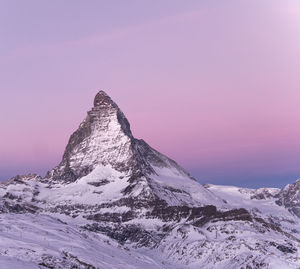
115	202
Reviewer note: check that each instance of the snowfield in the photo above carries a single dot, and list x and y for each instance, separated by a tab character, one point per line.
40	241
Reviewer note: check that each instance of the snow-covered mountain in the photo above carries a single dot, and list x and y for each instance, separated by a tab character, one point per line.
290	197
115	202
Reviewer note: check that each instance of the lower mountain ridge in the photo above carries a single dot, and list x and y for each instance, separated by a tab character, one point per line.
115	202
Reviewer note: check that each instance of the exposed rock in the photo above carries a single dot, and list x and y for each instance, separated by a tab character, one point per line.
105	138
290	197
265	193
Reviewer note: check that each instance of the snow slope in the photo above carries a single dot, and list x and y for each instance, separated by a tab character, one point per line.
41	241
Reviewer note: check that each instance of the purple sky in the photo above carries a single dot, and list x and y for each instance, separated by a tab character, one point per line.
215	85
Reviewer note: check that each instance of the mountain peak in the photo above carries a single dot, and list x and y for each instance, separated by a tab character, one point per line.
102	99
103	138
104	141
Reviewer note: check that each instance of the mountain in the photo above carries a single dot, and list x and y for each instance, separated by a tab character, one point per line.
115	202
290	197
103	143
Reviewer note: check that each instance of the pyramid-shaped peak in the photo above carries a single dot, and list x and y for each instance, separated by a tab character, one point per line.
104	138
102	99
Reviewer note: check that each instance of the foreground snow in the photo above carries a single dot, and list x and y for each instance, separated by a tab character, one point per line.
51	238
40	241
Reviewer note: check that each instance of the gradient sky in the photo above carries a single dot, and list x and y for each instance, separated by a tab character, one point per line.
215	85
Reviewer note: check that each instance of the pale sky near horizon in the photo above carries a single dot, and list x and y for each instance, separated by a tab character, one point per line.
212	84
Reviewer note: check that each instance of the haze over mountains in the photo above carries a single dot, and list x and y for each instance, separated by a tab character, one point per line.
115	202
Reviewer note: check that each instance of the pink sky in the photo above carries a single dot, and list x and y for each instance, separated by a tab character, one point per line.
214	85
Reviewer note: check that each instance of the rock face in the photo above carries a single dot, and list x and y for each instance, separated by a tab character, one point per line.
290	197
105	138
111	187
